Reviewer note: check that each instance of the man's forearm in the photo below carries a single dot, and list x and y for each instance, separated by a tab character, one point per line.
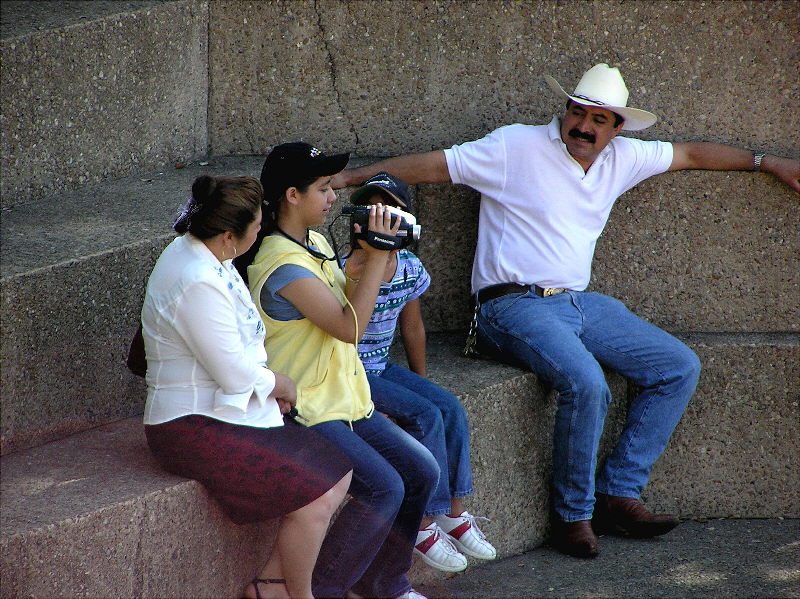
720	157
428	167
711	156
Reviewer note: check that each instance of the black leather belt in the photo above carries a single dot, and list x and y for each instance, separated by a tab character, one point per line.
494	291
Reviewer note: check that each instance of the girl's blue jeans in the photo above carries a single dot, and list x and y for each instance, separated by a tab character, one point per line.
566	339
369	546
435	418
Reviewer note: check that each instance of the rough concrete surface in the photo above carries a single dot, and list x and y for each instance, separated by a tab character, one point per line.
102	97
70	297
94	516
734	452
709	559
394	76
23	17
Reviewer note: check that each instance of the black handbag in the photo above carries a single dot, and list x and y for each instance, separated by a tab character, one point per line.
137	362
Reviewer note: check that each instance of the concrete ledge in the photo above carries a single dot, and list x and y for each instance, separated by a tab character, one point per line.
70	296
122	90
734	454
73	279
92	515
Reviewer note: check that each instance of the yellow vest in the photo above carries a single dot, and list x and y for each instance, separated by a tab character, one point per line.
330	378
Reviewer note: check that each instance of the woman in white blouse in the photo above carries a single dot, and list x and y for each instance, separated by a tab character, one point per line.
214	410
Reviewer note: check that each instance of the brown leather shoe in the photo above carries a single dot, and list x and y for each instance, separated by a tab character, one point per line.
626	515
574	538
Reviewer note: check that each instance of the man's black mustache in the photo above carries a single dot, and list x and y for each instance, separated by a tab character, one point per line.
581	135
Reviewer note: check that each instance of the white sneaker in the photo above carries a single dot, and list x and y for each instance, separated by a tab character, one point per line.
436	550
412	594
466	536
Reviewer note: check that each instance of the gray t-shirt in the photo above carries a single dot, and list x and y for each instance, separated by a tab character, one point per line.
274	305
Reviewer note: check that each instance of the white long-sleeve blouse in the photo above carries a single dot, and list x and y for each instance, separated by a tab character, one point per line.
204	341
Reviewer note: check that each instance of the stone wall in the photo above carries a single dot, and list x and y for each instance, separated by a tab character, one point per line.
394	76
690	251
89	98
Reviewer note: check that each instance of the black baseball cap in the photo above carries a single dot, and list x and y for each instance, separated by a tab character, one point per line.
389	186
288	164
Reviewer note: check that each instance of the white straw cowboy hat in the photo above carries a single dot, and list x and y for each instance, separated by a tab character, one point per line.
603	86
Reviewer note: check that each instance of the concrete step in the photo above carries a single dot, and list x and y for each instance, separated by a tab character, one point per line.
72	281
92	515
93	90
73	272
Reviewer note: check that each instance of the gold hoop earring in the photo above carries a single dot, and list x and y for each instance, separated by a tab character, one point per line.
235	252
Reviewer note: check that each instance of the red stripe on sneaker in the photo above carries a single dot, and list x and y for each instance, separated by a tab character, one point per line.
427	543
459	530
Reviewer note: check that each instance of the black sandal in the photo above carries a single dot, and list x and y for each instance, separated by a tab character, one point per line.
256	581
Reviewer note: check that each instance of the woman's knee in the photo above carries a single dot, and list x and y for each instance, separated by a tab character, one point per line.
338	492
324	506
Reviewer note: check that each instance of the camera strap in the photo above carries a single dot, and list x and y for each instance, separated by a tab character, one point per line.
316	253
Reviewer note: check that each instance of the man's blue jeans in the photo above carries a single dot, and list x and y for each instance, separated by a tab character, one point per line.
369	546
565	339
435	418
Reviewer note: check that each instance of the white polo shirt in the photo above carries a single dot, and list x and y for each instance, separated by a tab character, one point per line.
540	213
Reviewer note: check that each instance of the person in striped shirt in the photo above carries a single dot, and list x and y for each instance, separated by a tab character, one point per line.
430	413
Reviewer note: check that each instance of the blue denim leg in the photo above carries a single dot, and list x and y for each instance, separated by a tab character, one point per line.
369	546
666	372
436	418
565	339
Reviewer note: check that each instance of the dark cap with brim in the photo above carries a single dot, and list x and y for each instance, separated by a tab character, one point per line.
393	189
289	164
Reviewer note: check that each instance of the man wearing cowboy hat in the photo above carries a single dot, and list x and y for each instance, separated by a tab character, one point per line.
546	194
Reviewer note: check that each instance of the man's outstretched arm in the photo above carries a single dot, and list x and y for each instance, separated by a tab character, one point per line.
428	167
719	157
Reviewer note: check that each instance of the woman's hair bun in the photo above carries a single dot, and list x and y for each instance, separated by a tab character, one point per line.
203	188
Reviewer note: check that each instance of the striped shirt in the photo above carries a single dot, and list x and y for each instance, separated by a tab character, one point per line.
410	281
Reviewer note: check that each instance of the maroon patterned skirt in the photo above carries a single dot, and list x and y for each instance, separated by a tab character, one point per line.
255	473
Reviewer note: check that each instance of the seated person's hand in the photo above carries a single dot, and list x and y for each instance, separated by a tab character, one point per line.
381	222
285	392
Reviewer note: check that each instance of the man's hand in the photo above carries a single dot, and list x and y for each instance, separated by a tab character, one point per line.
784	169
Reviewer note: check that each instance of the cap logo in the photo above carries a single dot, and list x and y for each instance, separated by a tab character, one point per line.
314	152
